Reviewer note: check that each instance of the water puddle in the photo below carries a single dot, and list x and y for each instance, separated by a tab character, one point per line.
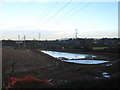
58	81
106	75
67	55
86	61
74	58
108	65
98	78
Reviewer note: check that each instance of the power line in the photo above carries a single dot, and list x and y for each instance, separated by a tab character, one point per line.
73	13
71	10
57	12
48	10
67	15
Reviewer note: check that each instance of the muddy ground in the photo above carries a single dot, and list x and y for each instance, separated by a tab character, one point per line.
32	62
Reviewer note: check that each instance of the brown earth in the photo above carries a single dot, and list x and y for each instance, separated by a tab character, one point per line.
32	62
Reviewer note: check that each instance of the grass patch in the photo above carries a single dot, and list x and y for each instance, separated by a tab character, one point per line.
99	48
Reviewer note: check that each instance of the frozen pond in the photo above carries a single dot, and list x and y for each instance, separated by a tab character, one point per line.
86	61
67	55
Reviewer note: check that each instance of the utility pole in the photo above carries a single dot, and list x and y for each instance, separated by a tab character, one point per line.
18	37
76	33
39	36
24	40
18	40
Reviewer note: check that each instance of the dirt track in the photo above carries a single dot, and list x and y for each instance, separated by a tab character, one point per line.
40	65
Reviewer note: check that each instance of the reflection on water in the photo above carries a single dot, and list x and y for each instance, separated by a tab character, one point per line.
86	61
106	75
58	81
76	57
98	78
108	65
67	55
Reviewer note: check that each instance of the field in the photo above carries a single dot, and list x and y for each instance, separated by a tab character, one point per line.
33	62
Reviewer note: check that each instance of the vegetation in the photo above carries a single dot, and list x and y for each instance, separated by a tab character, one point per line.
99	48
80	44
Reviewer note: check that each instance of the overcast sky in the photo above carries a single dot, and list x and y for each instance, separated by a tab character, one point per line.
57	20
